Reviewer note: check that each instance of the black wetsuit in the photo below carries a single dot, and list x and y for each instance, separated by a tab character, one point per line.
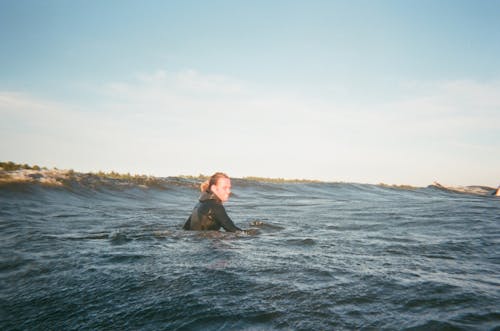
209	214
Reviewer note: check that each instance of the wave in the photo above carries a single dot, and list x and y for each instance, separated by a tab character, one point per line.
72	180
474	189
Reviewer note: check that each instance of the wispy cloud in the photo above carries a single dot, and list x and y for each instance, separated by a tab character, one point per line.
455	109
188	122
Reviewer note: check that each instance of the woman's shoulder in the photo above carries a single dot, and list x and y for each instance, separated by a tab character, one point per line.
207	197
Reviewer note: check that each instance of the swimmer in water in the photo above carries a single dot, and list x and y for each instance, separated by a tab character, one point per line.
209	213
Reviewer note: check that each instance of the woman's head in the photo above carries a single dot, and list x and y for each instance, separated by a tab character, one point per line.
219	184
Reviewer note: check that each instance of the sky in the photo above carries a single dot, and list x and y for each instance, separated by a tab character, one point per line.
396	92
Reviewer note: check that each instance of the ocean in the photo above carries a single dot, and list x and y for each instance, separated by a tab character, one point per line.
110	254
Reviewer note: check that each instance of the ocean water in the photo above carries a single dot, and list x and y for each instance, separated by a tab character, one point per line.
111	255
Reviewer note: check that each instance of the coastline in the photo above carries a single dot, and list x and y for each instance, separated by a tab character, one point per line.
11	173
52	177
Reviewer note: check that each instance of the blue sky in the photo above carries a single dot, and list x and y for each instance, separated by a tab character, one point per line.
400	92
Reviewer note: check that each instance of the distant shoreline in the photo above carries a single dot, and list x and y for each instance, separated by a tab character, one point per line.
11	172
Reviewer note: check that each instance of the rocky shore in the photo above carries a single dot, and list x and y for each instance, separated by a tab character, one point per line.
53	177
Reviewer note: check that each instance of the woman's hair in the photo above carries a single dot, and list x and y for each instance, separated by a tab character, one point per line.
206	185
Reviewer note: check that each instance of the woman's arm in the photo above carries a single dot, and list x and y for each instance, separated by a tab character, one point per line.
225	221
187	225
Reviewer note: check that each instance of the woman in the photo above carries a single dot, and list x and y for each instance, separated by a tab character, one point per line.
209	213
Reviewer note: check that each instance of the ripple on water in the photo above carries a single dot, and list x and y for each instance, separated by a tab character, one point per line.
375	259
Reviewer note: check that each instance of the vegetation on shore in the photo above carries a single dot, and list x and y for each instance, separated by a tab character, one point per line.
127	176
200	177
9	172
11	166
152	180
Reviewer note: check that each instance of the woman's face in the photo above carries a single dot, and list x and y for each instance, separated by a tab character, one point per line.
222	189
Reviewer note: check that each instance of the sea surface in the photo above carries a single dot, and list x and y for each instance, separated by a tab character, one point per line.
110	254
